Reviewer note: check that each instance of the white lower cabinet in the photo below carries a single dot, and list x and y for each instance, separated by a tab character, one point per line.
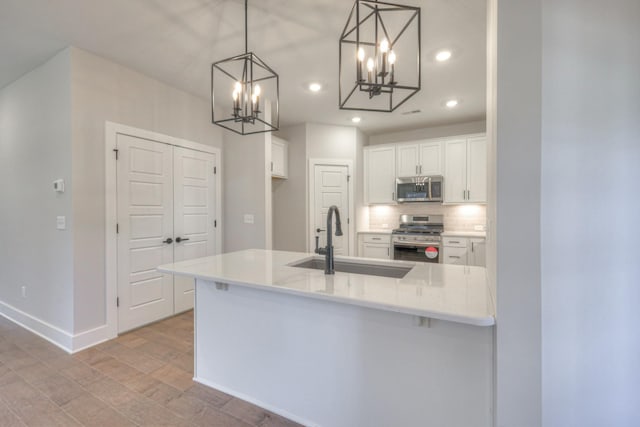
477	251
374	245
464	250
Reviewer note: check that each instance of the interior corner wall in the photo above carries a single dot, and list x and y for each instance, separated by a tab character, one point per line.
101	91
246	176
590	213
35	150
289	195
517	198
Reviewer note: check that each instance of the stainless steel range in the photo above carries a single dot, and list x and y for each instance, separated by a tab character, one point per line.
418	238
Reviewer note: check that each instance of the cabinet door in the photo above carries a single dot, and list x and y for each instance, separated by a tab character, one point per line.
374	250
278	158
431	158
477	170
380	175
477	252
457	256
455	171
408	160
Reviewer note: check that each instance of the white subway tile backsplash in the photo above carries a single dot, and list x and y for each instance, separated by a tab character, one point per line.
456	218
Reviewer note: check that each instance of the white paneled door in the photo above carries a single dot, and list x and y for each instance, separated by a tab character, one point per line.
194	219
331	188
166	209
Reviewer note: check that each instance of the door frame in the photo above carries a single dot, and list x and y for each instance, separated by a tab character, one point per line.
311	190
111	206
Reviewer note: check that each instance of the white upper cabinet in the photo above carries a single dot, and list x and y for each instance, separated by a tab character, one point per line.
465	170
477	166
408	160
455	171
431	158
279	158
379	174
422	159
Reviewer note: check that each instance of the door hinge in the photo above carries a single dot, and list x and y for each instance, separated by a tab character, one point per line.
115	150
117	228
348	220
215	223
348	178
215	170
117	301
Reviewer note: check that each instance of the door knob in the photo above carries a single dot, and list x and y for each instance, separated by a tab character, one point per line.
318	230
180	239
168	241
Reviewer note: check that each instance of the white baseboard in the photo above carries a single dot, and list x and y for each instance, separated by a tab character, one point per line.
256	402
66	341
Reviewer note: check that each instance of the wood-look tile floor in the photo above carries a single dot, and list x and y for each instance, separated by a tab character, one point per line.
141	378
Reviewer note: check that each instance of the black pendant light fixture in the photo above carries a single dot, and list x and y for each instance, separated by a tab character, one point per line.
379	64
245	92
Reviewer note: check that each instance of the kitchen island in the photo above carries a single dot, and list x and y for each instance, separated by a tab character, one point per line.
348	349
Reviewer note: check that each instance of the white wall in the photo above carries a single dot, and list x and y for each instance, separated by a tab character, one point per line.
247	189
516	231
105	91
590	213
290	195
478	126
35	149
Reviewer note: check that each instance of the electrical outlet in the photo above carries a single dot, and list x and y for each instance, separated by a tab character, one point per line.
248	219
479	227
24	291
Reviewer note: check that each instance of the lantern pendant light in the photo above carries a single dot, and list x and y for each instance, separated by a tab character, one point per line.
379	64
245	92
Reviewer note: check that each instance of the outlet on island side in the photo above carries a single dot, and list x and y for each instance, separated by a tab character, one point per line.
24	291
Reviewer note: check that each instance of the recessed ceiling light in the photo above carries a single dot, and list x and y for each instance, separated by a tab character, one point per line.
315	87
356	119
452	103
443	55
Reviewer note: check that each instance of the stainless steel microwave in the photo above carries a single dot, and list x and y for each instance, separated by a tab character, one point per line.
420	189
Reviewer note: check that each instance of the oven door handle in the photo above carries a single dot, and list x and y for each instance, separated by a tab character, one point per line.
416	245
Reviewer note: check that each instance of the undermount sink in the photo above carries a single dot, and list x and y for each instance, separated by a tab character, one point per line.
393	271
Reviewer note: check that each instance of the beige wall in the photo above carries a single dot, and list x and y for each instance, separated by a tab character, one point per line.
478	126
102	91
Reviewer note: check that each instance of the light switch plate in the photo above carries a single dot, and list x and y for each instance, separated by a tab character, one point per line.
479	227
248	219
61	223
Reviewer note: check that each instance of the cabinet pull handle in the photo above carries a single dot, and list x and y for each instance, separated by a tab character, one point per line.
393	195
271	166
416	169
420	169
453	241
388	254
376	238
473	244
454	256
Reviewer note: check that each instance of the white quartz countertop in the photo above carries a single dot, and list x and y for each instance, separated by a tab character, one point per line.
464	234
438	291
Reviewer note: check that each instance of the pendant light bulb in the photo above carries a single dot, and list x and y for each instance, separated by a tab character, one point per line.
257	90
238	87
361	54
392	57
384	46
370	64
235	95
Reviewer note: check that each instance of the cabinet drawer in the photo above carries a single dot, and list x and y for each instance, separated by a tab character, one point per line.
376	238
374	250
455	242
452	255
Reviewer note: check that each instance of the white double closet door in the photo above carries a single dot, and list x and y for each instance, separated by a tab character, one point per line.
166	213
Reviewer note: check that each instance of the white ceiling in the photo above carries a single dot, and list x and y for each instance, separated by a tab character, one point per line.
176	41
